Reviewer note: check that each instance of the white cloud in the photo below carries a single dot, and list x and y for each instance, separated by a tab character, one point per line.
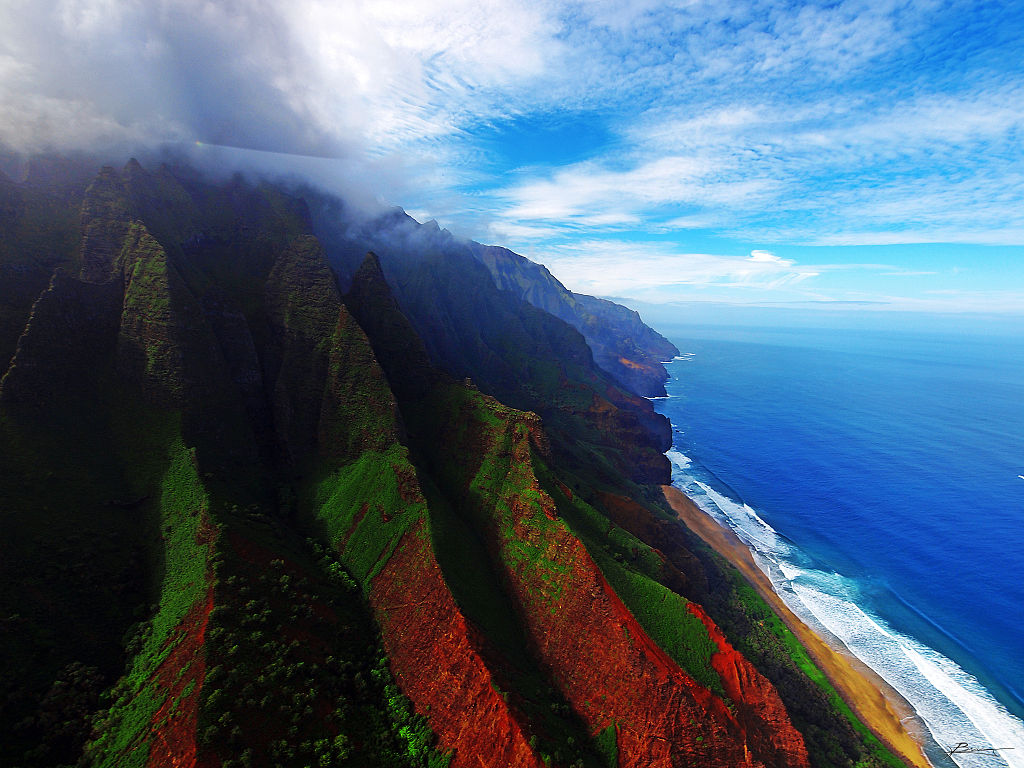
686	222
660	272
588	193
767	121
306	76
931	168
767	257
626	268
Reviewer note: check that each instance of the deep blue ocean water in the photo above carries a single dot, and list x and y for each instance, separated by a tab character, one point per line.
877	476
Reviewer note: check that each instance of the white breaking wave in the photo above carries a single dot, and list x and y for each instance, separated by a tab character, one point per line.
679	461
998	725
748	525
953	705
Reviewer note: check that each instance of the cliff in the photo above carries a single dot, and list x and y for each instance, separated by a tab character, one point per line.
624	348
622	344
261	511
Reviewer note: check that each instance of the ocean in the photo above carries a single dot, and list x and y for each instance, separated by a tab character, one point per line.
878	476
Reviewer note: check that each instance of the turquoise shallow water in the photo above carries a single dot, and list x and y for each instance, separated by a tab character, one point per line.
877	475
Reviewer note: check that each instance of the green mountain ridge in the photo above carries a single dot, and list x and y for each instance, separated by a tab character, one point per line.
254	519
623	347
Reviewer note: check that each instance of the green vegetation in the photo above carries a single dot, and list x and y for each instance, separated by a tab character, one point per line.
148	348
508	497
476	584
363	510
664	616
124	730
360	413
297	674
183	512
607	744
632	568
145	267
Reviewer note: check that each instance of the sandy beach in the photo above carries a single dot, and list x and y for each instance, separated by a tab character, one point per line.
878	705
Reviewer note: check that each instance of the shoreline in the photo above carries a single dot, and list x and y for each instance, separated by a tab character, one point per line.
879	706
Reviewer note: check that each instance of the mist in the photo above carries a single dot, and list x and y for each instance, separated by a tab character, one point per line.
274	89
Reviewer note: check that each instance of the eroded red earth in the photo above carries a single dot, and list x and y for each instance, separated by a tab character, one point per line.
436	658
180	678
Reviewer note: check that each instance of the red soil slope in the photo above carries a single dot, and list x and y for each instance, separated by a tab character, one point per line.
436	658
180	678
758	706
612	672
599	655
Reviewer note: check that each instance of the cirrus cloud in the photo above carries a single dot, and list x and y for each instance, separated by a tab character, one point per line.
725	127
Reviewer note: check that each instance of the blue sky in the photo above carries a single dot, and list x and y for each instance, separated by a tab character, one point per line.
866	151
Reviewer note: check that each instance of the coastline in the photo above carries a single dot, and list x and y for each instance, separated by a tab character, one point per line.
874	701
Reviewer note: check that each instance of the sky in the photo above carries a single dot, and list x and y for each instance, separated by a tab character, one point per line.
854	154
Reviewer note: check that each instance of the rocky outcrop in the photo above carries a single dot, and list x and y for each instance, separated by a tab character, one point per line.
165	343
598	655
180	678
624	345
105	221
